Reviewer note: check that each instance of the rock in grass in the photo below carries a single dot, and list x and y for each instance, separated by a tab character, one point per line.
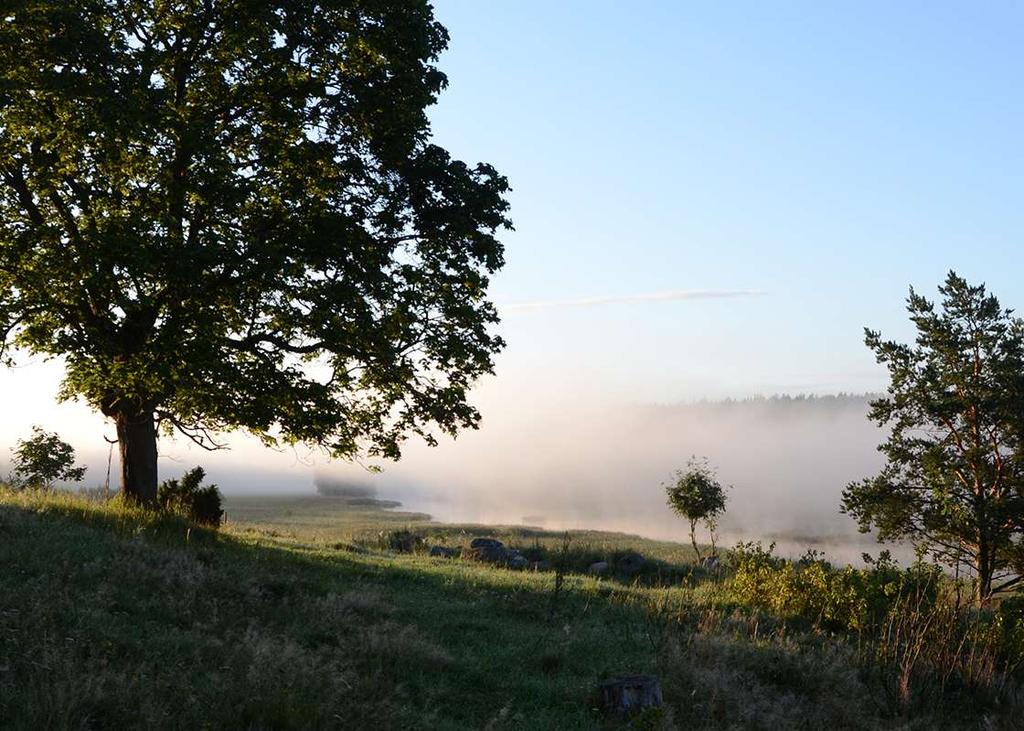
491	550
442	552
631	564
598	567
486	543
629	693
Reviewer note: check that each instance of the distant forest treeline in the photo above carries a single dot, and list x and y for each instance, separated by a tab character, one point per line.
782	398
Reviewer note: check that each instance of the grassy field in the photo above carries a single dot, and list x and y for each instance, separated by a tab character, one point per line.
327	520
297	615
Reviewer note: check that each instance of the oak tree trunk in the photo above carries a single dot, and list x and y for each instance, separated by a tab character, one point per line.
136	437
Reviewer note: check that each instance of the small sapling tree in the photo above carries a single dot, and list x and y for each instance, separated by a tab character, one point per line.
44	458
696	494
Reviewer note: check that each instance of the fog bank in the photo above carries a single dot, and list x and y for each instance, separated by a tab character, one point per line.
577	462
787	460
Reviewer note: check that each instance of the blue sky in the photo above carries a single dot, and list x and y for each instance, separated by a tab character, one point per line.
814	159
825	154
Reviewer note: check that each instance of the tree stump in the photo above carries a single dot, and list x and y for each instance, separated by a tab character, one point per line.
629	693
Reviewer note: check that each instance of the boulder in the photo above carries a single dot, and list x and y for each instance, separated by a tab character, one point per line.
629	693
491	550
541	565
598	567
486	543
631	564
442	552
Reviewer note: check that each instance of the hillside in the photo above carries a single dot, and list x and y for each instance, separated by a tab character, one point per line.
295	615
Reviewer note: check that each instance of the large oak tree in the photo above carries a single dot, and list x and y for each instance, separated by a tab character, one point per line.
228	214
954	479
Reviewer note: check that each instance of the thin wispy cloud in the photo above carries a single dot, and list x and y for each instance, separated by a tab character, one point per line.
686	294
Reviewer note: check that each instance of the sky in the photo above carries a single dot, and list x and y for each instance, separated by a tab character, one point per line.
710	199
824	155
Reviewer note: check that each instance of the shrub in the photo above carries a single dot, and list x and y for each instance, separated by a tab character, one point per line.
189	497
839	598
44	458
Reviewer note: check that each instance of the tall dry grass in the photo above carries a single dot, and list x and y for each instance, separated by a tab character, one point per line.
927	654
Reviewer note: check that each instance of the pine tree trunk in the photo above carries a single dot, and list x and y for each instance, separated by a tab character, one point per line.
136	436
985	571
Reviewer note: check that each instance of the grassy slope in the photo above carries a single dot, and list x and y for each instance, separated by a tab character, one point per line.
113	618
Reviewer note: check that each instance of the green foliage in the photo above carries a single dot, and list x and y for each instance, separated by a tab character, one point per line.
955	414
189	497
838	598
44	458
231	215
698	496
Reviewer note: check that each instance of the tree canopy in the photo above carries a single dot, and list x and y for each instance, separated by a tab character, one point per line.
44	458
227	215
697	495
954	479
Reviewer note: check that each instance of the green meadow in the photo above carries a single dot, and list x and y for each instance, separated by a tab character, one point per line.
298	614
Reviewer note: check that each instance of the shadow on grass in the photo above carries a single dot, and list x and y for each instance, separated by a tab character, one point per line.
120	617
114	617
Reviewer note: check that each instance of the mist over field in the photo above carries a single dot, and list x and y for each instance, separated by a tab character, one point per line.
571	457
575	461
787	459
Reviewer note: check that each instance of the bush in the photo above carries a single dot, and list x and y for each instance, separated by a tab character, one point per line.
189	497
44	458
842	599
917	646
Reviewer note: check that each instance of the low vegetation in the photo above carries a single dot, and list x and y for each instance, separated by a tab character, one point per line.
307	612
188	496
